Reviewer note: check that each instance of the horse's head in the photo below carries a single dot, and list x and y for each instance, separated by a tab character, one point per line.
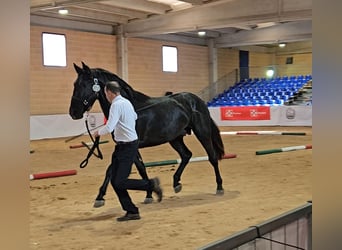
86	91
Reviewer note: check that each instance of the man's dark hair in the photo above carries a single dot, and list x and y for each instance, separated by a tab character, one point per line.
113	87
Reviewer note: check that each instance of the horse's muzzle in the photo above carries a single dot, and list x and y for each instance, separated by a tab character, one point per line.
75	115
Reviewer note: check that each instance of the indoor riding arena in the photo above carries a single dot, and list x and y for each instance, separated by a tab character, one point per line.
253	74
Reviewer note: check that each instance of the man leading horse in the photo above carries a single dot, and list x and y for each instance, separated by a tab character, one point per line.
121	120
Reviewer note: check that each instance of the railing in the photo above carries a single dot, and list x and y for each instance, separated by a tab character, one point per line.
219	86
292	230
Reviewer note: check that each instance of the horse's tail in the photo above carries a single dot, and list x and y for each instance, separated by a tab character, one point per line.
217	140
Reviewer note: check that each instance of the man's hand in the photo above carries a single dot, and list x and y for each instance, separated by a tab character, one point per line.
96	134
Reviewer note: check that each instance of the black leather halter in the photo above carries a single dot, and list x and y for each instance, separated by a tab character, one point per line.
90	99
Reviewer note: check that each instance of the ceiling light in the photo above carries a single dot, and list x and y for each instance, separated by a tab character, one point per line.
282	45
270	73
265	25
201	33
63	11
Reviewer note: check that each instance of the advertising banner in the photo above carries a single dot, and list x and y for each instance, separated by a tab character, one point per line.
246	113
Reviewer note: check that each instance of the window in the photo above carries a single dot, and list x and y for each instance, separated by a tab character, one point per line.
170	63
54	50
289	60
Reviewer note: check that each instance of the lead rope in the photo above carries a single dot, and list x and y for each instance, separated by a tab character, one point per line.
91	152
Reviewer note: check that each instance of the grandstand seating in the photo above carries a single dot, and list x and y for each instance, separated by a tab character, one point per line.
261	91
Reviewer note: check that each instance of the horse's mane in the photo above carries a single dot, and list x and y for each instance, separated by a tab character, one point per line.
133	95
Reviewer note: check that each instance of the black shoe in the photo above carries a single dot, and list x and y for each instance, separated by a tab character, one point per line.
157	189
129	216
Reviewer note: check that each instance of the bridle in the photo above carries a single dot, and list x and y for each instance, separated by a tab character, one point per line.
91	99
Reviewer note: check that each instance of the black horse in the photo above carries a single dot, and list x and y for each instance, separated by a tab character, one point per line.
165	119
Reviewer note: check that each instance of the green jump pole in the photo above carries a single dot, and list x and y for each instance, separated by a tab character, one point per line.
177	161
293	133
285	149
160	163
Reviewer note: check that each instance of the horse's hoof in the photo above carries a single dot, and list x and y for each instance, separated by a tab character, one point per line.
99	203
148	201
220	192
178	188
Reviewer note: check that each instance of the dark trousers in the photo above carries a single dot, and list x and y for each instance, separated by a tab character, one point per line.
122	160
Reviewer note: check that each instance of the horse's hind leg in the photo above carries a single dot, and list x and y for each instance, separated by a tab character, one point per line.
214	162
142	171
204	136
100	201
185	154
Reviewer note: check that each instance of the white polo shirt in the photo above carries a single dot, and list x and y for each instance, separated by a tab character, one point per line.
121	119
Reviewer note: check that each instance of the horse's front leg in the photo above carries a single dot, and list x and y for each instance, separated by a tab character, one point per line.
142	172
100	201
185	155
177	186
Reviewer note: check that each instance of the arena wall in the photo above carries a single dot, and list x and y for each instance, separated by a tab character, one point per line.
260	62
228	61
145	67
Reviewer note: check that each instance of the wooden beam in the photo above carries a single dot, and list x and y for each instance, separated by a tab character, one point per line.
225	13
86	16
102	28
137	5
179	39
145	6
113	10
287	32
193	2
38	5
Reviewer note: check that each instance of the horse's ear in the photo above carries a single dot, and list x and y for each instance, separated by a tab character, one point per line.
78	69
86	68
